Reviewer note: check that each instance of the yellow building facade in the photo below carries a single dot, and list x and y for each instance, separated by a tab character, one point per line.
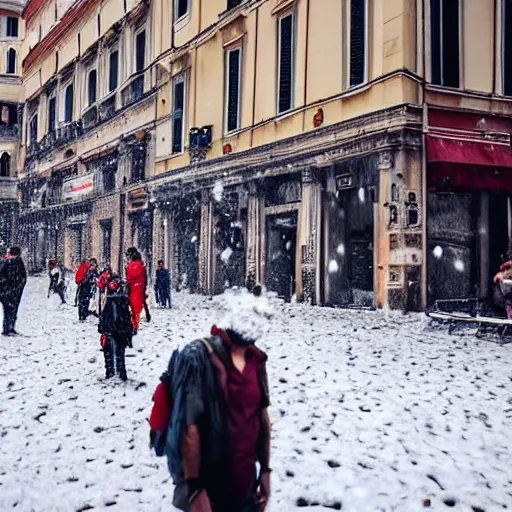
293	143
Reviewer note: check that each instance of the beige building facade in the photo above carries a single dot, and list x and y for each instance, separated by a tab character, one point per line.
295	143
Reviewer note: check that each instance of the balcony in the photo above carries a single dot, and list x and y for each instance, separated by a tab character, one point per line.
90	118
67	133
9	132
133	92
8	189
108	107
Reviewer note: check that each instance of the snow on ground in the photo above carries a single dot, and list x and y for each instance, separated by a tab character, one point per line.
371	411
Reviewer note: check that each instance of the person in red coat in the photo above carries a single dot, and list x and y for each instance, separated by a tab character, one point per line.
137	282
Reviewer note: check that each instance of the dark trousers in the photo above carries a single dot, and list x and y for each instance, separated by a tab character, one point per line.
83	306
163	296
248	505
10	315
114	357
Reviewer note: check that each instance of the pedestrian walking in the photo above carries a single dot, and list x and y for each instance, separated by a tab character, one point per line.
57	284
136	280
13	278
87	291
211	411
162	286
502	291
116	328
102	286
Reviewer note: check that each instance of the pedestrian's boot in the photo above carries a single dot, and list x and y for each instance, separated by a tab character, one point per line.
108	352
120	362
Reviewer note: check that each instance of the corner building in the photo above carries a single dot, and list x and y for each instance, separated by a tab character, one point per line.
316	146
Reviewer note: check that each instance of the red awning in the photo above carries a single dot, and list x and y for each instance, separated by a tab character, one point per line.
468	152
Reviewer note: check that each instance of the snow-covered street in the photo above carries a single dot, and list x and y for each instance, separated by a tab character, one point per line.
371	412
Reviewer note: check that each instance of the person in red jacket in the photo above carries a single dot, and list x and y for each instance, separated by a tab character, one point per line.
137	282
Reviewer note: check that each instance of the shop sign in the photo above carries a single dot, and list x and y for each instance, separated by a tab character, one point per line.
77	188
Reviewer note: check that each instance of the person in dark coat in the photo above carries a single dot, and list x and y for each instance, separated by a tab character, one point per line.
86	290
162	286
57	284
13	278
116	328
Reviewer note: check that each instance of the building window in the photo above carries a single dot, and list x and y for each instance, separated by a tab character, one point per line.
12	27
507	47
286	65
233	3
233	90
33	130
92	83
358	41
108	166
140	51
68	104
444	39
113	71
11	61
106	228
5	165
52	111
181	8
178	98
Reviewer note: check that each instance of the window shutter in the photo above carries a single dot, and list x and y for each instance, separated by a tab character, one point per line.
233	90
141	50
113	71
357	41
177	124
68	104
92	87
51	114
285	63
507	47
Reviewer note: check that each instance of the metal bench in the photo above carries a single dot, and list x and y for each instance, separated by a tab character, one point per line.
457	312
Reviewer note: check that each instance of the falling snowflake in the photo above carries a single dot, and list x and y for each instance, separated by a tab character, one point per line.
438	252
459	265
193	239
288	245
340	250
361	195
333	266
226	255
218	191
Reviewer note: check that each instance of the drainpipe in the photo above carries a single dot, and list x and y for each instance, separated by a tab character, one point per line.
424	188
254	79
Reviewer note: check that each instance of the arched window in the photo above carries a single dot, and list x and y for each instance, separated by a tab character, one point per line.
11	61
5	165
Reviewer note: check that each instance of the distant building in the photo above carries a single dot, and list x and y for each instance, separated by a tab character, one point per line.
11	34
347	152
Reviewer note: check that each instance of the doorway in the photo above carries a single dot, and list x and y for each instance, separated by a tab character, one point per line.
281	235
349	245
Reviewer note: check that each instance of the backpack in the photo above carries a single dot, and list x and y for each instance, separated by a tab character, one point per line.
81	273
185	371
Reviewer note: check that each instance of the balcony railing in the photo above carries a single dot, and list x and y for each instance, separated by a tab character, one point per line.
133	92
9	132
8	189
90	118
108	108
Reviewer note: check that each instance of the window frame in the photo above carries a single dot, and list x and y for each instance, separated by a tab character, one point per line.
139	31
53	96
92	69
17	27
15	71
35	140
293	63
366	45
460	58
181	78
66	85
504	81
228	52
111	51
177	16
